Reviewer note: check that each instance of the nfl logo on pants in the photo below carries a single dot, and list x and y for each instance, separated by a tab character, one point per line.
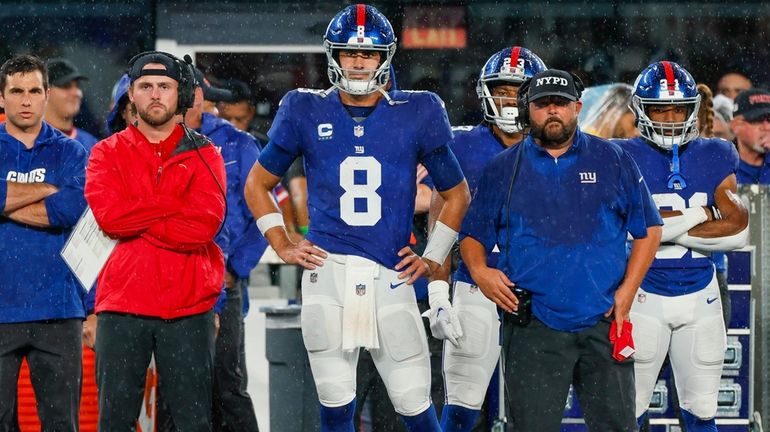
360	289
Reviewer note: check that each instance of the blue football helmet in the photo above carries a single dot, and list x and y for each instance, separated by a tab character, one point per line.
511	66
360	28
666	83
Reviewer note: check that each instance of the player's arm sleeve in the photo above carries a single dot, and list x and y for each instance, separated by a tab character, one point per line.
481	220
119	213
276	159
66	205
445	172
640	210
201	210
435	128
285	140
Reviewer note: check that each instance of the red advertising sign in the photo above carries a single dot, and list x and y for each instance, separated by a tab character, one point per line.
439	27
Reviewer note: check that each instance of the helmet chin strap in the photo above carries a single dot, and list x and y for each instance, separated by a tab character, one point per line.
676	180
508	120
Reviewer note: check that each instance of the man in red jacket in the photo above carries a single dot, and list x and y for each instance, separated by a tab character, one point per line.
157	187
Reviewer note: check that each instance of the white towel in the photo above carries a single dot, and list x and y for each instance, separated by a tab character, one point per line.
359	320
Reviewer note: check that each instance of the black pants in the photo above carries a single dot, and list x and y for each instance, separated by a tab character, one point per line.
54	352
184	356
233	408
541	363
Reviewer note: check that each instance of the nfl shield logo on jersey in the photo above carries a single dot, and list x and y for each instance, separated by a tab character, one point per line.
360	289
358	131
641	298
313	277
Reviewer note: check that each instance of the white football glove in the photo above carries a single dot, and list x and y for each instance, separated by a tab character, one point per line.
444	322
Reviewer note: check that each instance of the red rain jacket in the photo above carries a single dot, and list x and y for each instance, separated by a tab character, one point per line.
164	215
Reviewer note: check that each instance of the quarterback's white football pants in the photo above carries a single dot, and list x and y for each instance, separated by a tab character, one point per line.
402	360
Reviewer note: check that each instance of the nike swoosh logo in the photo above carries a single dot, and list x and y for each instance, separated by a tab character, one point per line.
394	286
709	301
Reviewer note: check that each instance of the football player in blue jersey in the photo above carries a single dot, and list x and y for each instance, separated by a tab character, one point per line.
559	206
470	362
361	146
677	310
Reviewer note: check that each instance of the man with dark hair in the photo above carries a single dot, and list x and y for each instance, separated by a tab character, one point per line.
41	306
732	84
157	187
64	99
239	109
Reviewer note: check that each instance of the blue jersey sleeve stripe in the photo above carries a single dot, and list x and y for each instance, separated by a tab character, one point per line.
276	159
443	168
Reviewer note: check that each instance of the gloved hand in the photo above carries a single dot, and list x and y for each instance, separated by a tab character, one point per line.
444	322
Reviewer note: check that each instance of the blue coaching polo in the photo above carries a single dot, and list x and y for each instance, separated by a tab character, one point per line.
563	227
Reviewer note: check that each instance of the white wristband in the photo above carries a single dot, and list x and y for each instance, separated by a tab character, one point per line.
440	243
270	220
437	290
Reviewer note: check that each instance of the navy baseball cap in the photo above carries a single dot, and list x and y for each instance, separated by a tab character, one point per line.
553	82
62	72
211	93
752	104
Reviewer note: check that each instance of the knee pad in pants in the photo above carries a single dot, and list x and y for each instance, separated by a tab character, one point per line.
402	359
469	367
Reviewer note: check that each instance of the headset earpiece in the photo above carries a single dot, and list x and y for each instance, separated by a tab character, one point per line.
522	102
187	85
579	86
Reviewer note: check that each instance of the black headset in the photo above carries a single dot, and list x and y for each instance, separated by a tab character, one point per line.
522	103
180	70
522	98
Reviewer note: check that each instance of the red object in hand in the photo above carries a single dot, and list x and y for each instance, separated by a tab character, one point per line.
623	346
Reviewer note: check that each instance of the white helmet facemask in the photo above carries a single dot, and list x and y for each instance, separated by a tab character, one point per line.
506	118
667	134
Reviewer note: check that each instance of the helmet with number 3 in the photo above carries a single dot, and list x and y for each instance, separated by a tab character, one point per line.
511	66
359	28
665	83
